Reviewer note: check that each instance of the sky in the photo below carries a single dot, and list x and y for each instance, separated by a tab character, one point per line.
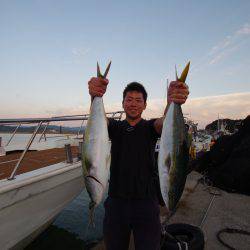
49	50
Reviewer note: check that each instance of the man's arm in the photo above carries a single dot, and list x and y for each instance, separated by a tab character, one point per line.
178	93
159	122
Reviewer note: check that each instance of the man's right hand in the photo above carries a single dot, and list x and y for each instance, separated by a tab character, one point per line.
97	86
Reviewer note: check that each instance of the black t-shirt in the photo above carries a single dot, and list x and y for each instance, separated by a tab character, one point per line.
133	169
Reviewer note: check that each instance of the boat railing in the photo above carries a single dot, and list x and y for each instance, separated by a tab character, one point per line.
39	121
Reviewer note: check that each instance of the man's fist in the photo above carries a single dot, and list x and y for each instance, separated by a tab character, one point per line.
177	92
97	86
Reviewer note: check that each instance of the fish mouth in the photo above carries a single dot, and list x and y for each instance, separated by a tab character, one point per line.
95	179
95	189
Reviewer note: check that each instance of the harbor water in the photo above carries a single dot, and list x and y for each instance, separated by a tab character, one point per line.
70	230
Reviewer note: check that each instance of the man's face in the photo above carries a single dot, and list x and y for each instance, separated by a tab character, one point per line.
134	104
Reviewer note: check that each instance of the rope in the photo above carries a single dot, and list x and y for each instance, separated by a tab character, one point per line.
214	191
230	231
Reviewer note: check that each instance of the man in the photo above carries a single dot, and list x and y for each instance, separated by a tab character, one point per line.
132	203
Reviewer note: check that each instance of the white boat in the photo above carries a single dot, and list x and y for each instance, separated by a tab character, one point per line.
34	191
31	201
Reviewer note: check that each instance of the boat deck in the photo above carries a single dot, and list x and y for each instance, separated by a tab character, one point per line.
33	160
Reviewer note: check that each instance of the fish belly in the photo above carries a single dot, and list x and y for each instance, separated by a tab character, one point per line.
172	160
96	152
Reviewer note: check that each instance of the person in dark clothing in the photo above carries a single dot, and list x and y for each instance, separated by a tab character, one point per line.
133	203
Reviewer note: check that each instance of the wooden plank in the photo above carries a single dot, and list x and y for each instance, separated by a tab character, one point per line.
33	160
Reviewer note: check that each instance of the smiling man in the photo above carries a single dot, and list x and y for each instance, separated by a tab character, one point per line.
133	202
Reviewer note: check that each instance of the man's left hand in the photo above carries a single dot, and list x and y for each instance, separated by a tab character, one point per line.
177	92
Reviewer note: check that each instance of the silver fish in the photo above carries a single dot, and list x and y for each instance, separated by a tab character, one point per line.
96	153
173	154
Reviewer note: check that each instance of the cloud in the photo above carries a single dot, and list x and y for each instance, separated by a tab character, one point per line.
244	30
203	110
80	52
77	55
224	48
226	42
229	44
206	109
221	55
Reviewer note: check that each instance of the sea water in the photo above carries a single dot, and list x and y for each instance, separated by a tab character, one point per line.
70	230
23	139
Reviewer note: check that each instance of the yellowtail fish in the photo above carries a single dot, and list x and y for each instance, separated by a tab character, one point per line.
173	154
96	151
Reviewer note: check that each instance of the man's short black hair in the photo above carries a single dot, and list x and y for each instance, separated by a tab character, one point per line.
135	86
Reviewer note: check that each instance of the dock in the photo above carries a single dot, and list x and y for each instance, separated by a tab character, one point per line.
212	210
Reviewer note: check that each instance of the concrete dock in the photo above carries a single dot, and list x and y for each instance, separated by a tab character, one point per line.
226	210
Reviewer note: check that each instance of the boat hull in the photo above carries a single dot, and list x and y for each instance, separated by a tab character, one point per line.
30	203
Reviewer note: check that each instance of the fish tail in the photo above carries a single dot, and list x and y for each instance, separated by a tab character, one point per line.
184	73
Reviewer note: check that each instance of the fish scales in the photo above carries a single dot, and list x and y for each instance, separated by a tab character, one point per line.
96	153
173	156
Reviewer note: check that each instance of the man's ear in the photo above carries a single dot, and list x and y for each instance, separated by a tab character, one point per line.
145	105
123	104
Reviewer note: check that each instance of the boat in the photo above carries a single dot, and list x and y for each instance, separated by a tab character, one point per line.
35	185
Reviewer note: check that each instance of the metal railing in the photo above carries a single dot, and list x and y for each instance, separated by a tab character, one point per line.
115	115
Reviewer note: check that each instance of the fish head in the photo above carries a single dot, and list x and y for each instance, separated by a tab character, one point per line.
134	104
95	190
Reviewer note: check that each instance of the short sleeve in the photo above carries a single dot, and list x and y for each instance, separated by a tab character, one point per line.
152	129
112	127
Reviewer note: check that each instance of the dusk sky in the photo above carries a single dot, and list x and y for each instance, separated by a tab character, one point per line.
49	51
